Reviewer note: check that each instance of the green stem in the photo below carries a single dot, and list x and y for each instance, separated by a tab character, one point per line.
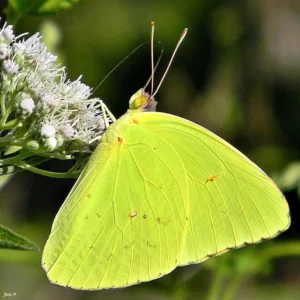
76	168
282	249
33	161
3	109
36	160
10	125
232	287
28	167
214	291
5	116
59	156
290	248
13	160
179	293
5	142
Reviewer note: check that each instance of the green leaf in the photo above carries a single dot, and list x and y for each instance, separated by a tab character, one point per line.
12	149
18	8
12	240
47	7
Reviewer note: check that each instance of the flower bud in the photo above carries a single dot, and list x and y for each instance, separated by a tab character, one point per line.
5	51
8	34
67	131
51	143
10	67
47	131
27	105
33	144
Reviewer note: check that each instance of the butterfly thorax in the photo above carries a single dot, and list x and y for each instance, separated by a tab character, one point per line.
114	133
139	102
142	101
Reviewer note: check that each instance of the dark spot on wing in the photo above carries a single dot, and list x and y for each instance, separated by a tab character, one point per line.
162	220
128	246
211	178
144	216
151	245
120	139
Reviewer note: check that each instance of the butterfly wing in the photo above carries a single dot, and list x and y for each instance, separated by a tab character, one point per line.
158	192
232	202
124	221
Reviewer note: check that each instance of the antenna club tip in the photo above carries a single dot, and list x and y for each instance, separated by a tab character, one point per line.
152	23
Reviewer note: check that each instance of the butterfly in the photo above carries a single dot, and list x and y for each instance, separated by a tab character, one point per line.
158	192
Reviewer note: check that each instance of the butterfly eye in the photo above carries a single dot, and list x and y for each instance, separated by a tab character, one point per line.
142	101
138	100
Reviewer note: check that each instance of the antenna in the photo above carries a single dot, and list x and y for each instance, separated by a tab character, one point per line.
156	65
152	56
170	62
114	68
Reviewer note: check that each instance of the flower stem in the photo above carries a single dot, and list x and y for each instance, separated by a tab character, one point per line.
33	169
3	109
13	160
214	291
283	249
290	248
10	125
232	287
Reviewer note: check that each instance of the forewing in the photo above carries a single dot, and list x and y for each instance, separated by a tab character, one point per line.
124	221
232	201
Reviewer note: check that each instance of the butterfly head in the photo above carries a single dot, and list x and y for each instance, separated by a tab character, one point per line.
142	101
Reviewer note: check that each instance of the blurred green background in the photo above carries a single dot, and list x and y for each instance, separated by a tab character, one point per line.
237	73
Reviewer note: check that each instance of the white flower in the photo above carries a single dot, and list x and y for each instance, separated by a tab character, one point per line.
48	100
76	89
90	125
5	51
51	143
7	33
10	67
27	106
19	48
48	131
44	60
36	51
57	110
67	131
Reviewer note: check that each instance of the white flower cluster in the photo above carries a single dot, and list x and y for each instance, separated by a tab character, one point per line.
48	108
